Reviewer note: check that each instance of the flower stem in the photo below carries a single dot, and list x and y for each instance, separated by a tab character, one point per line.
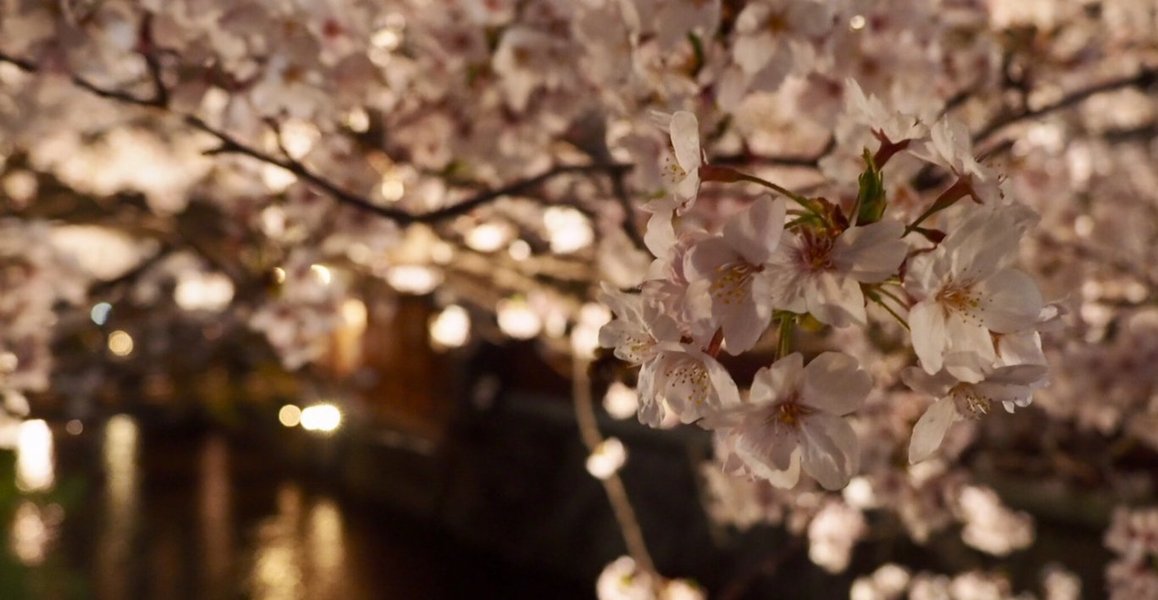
892	296
882	304
726	174
787	326
963	187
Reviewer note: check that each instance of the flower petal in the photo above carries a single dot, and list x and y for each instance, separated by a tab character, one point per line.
934	385
829	450
1010	301
685	140
835	383
835	299
766	447
777	381
930	429
927	327
755	231
872	253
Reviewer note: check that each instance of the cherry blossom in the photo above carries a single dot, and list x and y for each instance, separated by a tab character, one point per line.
972	398
792	407
965	289
819	272
725	267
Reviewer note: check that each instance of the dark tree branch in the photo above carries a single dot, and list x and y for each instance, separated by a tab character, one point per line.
1143	78
746	157
231	145
928	177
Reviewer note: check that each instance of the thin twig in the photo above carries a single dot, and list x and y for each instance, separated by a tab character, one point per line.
1143	78
613	484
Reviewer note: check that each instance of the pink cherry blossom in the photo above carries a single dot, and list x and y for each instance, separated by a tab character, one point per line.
794	415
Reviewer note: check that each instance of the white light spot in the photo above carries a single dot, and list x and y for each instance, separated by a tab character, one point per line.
322	418
414	279
34	467
488	237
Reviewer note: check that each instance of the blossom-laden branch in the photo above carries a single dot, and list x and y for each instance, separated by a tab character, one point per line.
755	268
228	144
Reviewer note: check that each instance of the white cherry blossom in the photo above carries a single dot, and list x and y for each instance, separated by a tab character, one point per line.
958	399
794	415
818	273
684	129
964	290
725	266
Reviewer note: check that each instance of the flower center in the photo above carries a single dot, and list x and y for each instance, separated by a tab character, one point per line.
816	251
691	377
790	413
959	298
970	403
732	281
673	172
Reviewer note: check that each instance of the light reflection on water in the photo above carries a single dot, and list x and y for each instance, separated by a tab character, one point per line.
142	513
114	552
300	550
35	471
215	513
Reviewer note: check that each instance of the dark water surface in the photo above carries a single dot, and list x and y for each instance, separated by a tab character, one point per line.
155	514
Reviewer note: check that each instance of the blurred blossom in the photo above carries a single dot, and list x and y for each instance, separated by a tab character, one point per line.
276	178
517	319
298	137
21	186
32	531
620	401
519	250
101	252
567	229
451	327
1057	583
322	273
889	582
392	189
607	458
488	237
990	526
414	279
210	292
832	534
585	334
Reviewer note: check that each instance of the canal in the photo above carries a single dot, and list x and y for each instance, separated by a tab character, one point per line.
118	510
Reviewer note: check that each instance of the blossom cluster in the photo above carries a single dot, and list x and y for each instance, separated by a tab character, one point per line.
972	316
1133	537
